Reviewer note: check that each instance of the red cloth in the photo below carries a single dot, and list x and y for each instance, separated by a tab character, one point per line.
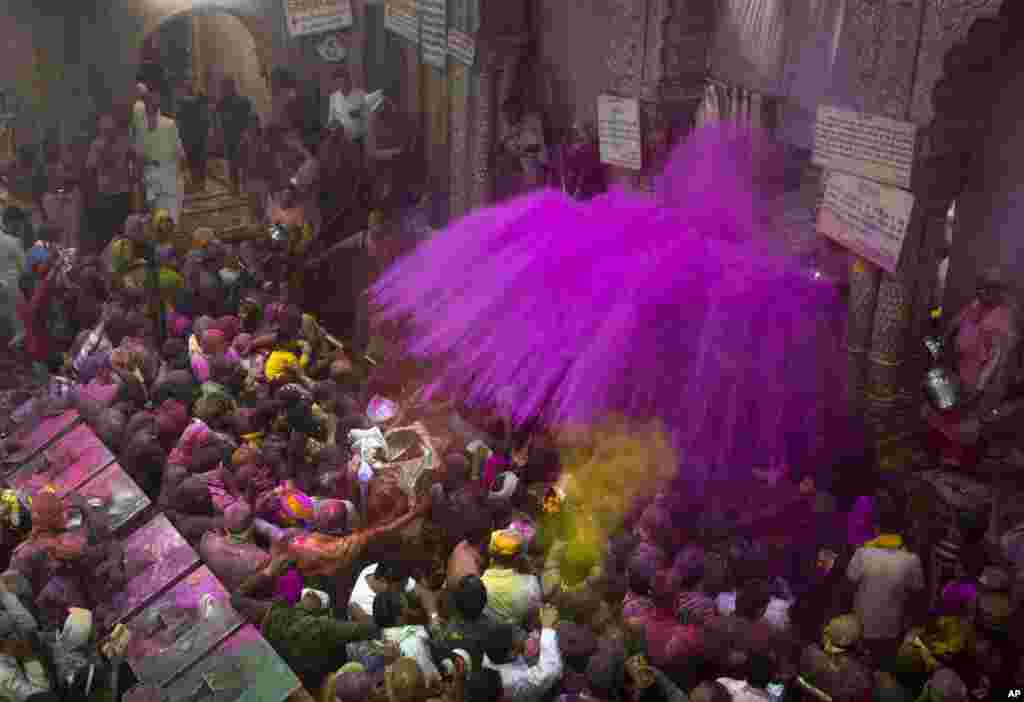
39	345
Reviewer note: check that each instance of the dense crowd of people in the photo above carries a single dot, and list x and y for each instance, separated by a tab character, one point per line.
394	548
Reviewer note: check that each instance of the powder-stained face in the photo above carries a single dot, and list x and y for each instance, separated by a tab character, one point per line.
639	676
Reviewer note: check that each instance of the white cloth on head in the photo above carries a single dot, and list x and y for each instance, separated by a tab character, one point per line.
367	441
325	599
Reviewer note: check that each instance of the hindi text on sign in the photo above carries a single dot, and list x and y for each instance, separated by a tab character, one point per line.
306	17
867	218
877	148
619	132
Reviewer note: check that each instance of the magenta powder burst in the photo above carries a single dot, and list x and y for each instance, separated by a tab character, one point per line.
680	306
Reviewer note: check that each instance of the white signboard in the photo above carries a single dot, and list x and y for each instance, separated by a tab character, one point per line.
461	47
867	218
619	131
305	17
400	17
877	148
434	31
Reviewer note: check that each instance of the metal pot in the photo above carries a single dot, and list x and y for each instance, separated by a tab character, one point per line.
942	388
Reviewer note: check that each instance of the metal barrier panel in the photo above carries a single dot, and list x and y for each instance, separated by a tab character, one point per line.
180	627
66	465
156	556
245	668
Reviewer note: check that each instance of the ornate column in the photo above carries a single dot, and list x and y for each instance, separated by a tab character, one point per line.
459	77
660	57
485	92
498	57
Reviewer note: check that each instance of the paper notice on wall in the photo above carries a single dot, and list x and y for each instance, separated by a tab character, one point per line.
619	131
873	147
305	17
461	47
401	18
867	218
434	31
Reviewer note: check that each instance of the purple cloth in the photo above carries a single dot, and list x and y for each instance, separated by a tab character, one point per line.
860	523
288	587
957	598
762	345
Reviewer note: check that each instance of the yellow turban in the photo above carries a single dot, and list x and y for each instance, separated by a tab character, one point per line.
279	362
506	542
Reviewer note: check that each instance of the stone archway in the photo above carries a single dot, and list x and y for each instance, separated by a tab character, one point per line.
240	42
258	26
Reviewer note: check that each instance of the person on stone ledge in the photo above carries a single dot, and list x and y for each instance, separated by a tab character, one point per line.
157	137
194	120
983	341
234	115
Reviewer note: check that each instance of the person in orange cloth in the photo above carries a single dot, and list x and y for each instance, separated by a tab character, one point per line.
321	555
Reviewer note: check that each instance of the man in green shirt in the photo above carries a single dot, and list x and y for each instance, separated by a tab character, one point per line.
305	635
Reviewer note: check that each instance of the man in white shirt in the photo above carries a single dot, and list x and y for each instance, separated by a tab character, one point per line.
886	575
374	579
523	682
156	137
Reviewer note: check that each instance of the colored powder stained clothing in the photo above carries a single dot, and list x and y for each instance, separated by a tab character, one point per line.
886	577
48	326
160	147
322	555
313	645
197	434
511	596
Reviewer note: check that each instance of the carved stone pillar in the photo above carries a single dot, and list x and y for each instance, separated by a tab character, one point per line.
498	58
485	92
864	279
660	57
459	77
